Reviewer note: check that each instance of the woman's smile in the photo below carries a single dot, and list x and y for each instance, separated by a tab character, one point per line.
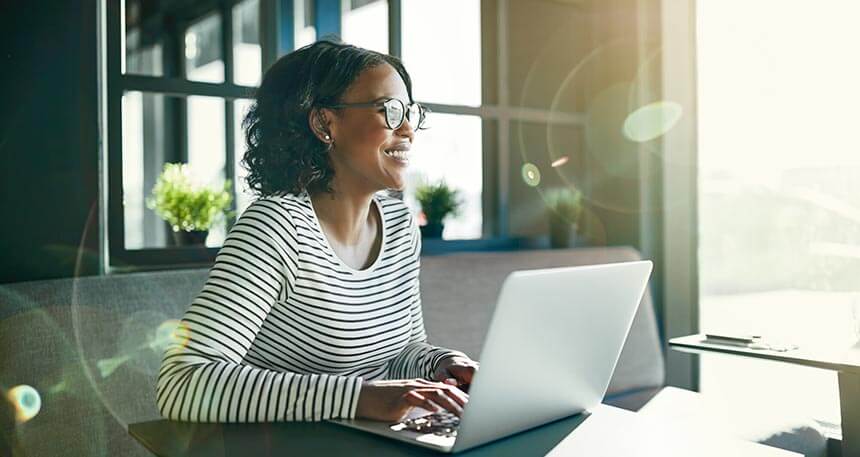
399	153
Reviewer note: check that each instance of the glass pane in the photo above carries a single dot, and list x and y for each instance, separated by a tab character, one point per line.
306	32
143	51
247	55
244	197
144	148
458	81
206	149
546	159
203	54
779	196
149	141
451	150
365	24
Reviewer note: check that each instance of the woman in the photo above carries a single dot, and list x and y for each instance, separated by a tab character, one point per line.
312	310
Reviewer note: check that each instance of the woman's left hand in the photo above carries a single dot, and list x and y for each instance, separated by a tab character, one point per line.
456	370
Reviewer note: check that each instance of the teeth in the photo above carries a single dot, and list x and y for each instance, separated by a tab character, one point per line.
397	154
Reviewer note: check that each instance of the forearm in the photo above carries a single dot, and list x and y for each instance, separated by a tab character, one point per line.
191	388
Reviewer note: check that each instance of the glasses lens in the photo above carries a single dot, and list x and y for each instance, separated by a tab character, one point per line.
394	113
414	115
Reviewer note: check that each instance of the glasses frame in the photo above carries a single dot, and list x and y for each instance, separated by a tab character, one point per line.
423	111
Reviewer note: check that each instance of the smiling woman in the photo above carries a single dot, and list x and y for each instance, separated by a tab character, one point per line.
312	310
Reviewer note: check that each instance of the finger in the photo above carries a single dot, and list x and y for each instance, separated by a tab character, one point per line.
461	397
455	392
441	397
415	398
451	381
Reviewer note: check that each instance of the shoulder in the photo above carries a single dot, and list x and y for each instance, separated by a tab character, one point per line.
277	212
395	210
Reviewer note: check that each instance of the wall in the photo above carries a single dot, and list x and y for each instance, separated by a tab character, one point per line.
48	139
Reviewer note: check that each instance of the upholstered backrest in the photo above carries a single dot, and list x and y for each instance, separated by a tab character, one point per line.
91	348
460	290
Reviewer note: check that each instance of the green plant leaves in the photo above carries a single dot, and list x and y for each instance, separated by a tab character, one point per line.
437	201
185	205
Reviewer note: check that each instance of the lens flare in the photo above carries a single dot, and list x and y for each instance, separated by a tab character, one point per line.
652	121
27	402
531	174
171	331
108	366
560	161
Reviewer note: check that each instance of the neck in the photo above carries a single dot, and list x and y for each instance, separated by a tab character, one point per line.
346	216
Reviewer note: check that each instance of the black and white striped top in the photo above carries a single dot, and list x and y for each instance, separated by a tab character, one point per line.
284	330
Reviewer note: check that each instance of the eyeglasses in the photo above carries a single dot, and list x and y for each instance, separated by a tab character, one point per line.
396	112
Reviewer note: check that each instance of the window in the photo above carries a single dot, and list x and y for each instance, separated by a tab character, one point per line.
445	64
176	92
452	148
305	19
451	151
779	195
365	23
181	76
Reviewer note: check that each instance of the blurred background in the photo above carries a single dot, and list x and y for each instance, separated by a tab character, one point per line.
716	137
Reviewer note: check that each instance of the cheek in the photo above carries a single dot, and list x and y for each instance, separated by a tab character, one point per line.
370	137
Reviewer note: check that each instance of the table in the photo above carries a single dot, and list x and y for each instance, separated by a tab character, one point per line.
607	431
845	361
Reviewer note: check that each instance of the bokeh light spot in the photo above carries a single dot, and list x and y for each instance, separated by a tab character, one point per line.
531	174
171	331
652	121
27	402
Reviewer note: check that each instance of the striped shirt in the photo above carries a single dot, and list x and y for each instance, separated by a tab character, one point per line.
284	330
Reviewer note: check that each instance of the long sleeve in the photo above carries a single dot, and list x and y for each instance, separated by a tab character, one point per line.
419	358
203	377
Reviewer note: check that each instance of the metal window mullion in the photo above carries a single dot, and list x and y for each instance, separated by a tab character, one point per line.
182	88
327	17
116	223
503	124
395	25
227	49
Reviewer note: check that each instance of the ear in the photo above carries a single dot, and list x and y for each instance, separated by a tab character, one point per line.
319	120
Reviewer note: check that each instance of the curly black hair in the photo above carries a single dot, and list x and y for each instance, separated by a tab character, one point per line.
284	155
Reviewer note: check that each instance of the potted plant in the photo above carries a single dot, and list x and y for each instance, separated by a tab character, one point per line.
189	208
564	208
437	202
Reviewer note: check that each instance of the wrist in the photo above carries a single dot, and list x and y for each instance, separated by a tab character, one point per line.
446	360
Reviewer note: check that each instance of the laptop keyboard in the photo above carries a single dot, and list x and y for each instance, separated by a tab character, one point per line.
441	424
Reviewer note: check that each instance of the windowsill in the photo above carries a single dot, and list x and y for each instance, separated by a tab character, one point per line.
431	246
185	257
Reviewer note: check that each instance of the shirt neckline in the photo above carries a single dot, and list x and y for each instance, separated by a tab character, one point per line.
331	251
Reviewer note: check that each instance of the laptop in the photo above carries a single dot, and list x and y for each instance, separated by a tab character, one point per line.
567	324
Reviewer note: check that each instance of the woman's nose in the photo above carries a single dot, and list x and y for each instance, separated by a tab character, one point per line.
406	130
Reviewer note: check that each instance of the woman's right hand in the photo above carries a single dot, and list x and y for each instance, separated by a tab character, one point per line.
390	400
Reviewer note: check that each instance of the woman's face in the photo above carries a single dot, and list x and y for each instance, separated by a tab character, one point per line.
361	136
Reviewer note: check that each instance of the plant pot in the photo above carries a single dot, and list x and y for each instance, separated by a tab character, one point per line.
194	238
562	234
432	230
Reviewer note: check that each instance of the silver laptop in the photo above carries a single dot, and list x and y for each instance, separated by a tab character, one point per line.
567	324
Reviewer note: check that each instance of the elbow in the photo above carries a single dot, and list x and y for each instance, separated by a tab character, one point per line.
170	391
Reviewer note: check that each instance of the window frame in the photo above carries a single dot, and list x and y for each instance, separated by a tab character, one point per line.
177	88
277	37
